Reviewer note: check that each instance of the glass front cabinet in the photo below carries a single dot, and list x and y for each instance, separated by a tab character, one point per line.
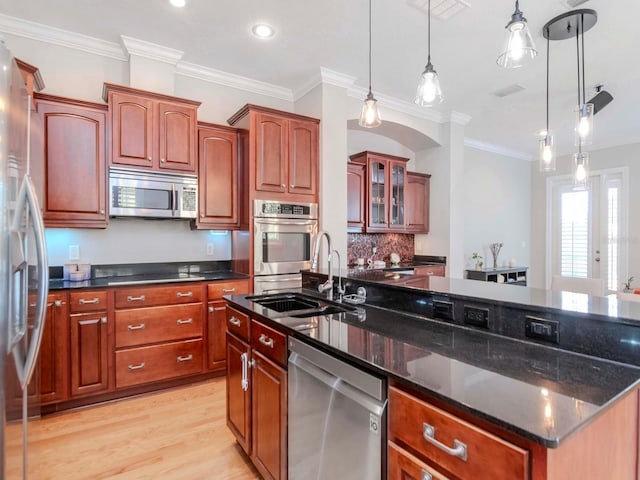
386	180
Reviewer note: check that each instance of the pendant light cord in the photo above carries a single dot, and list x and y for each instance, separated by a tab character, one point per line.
369	46
584	89
548	81
429	35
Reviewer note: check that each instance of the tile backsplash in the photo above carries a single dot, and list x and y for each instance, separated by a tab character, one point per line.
359	245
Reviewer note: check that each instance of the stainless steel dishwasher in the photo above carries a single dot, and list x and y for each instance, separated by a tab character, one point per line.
337	421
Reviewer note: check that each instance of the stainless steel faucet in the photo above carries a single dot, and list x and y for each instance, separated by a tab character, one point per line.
328	285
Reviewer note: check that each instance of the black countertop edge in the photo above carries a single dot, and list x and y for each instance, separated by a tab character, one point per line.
429	260
554	441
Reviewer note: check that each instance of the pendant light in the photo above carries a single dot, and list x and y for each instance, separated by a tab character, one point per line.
584	110
562	27
547	148
519	48
429	92
370	116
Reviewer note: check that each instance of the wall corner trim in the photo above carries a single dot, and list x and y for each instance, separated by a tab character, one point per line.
152	51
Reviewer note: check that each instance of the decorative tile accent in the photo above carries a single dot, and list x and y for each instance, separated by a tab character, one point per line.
359	245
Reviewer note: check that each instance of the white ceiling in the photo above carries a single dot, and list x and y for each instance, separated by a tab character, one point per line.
333	34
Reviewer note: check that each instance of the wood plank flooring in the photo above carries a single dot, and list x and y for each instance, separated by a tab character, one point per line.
175	434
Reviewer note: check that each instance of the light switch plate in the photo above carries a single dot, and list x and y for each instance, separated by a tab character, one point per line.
74	252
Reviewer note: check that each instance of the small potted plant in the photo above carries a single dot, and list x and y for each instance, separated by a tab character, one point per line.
627	285
476	257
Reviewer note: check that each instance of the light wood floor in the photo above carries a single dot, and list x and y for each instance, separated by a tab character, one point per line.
175	434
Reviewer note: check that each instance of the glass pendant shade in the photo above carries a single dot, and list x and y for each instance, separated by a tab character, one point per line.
584	124
547	154
370	116
429	92
518	49
580	170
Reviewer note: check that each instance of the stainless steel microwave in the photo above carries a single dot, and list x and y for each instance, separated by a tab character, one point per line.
137	193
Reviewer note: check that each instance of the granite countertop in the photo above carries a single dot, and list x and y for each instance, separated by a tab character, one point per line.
541	393
609	307
147	274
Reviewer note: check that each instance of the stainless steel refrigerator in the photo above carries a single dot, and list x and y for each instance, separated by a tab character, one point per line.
23	275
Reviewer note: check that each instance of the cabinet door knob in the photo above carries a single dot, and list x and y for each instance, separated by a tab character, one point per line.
283	185
210	309
149	159
292	186
162	160
103	319
101	212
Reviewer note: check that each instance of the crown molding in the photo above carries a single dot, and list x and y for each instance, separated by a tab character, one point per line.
235	81
325	75
459	118
152	51
499	149
57	36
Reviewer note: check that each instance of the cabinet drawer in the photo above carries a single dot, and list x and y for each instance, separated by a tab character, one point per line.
151	296
158	362
487	456
404	466
238	323
87	301
217	290
431	271
158	324
270	343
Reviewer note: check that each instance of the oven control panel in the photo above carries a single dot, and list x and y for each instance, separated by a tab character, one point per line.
268	208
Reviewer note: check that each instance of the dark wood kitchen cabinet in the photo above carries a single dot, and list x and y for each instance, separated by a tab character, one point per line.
91	336
53	359
385	191
417	202
217	320
257	392
218	178
151	130
356	202
283	153
69	162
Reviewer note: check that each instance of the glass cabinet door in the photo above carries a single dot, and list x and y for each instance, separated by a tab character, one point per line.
398	173
378	194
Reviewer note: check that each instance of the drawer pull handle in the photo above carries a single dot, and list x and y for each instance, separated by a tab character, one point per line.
184	322
266	341
141	298
459	449
136	327
93	301
188	294
235	321
228	290
186	358
136	367
430	272
426	475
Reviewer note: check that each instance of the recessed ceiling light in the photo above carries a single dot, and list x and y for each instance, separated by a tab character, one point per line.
262	30
178	3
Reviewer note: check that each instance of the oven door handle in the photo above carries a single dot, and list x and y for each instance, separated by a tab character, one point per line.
284	221
283	279
174	199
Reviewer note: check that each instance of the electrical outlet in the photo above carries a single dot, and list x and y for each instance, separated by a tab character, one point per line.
476	316
209	248
74	252
541	329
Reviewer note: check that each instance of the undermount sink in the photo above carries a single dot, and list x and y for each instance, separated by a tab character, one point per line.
298	305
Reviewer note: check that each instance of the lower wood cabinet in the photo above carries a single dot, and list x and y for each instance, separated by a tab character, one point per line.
53	360
257	395
159	333
90	353
217	320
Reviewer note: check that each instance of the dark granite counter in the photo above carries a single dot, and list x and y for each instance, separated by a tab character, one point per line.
535	391
146	274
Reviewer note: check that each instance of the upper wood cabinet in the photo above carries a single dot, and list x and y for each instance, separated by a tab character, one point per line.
69	159
417	202
283	153
218	178
386	196
150	130
356	202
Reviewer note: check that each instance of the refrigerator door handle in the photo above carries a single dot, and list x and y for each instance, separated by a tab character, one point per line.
27	199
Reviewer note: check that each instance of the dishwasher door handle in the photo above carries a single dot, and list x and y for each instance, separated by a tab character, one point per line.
338	384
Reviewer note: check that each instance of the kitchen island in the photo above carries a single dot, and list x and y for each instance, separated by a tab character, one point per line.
527	409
